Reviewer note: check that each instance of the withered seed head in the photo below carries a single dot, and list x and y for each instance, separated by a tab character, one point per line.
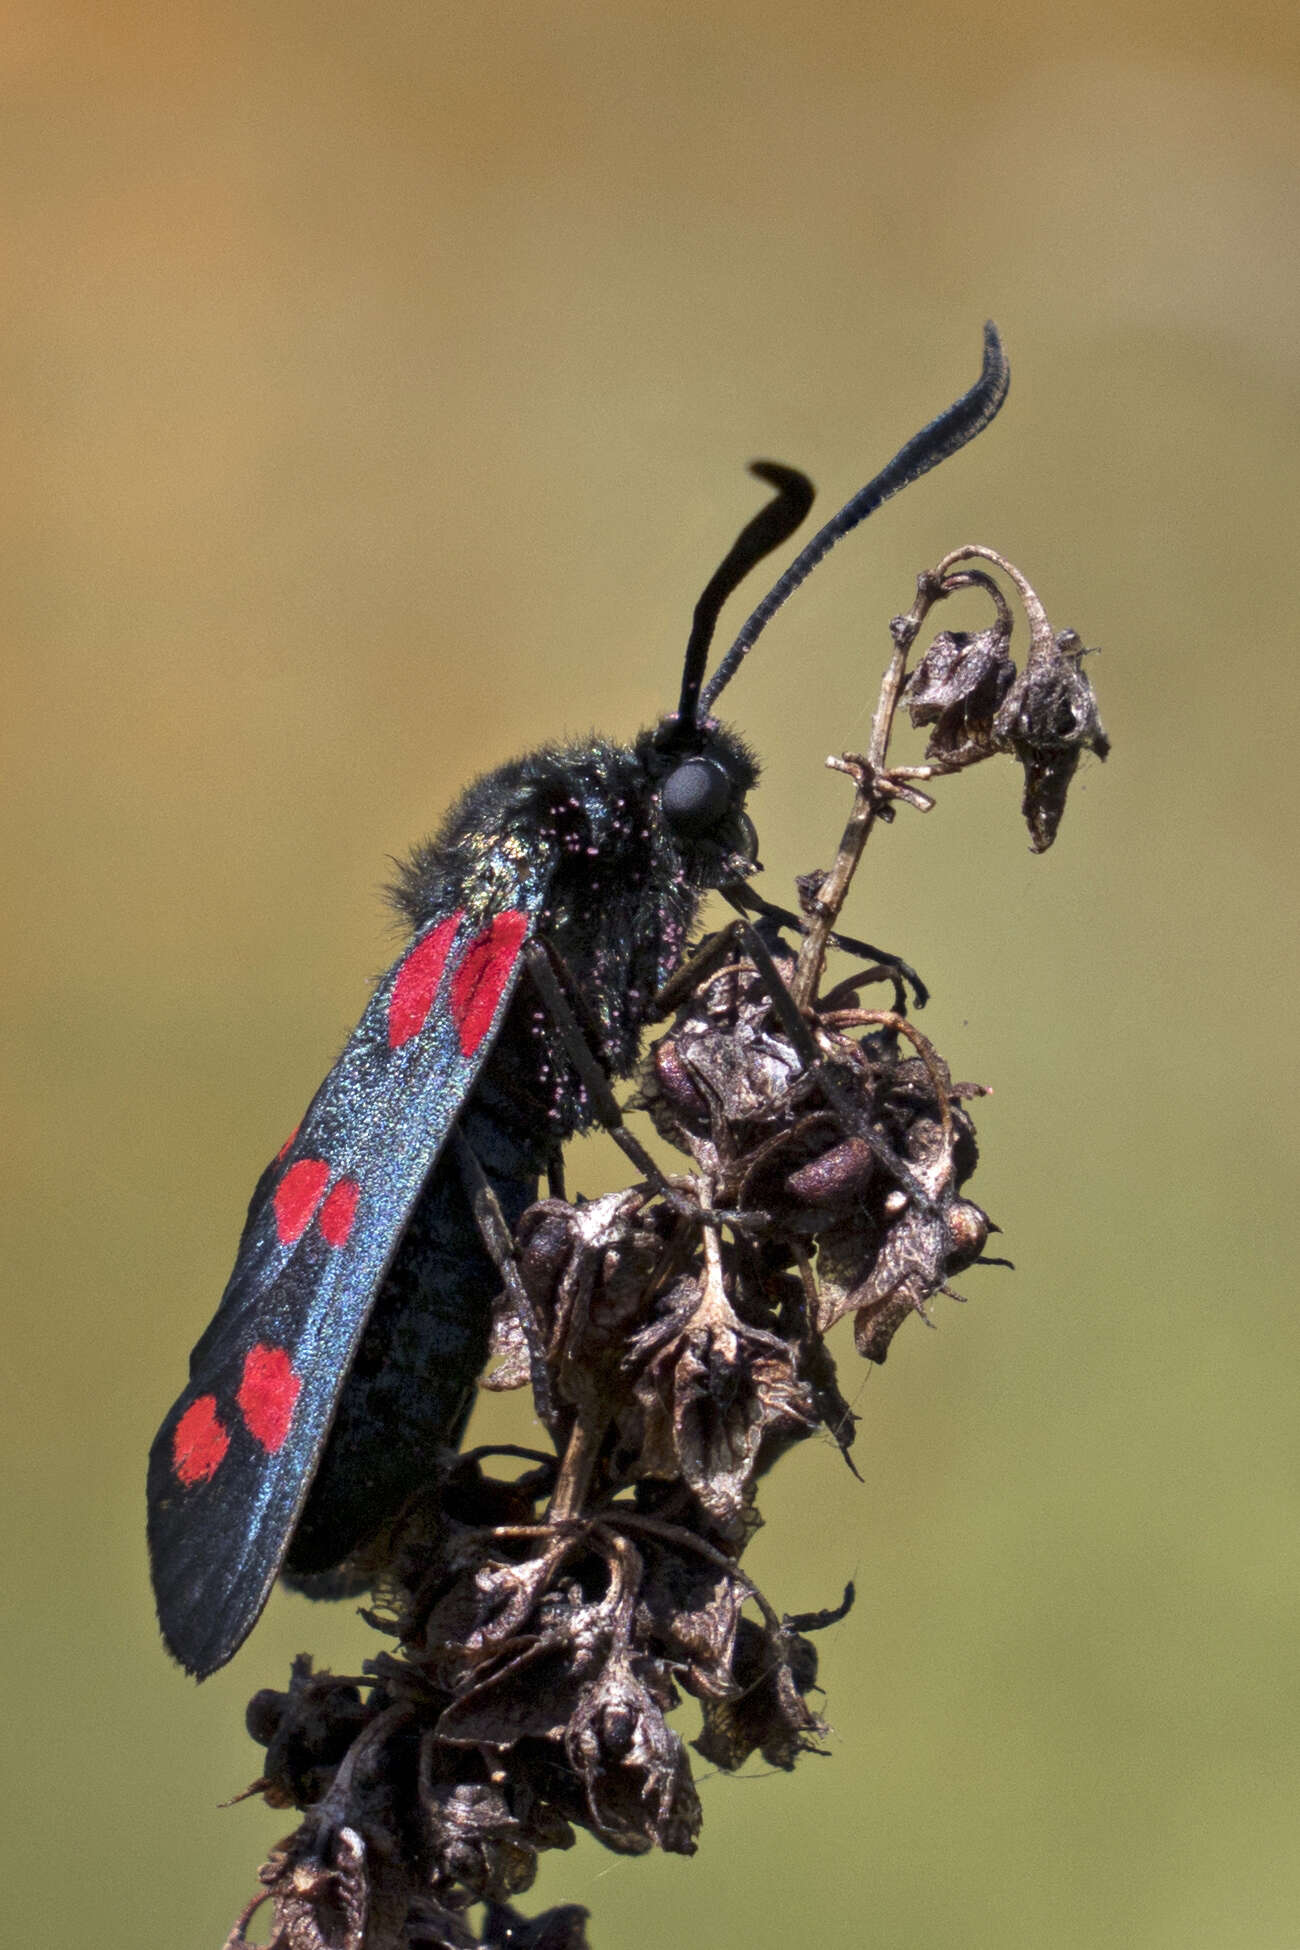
1047	719
957	687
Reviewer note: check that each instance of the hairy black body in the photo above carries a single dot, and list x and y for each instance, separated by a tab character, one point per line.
624	891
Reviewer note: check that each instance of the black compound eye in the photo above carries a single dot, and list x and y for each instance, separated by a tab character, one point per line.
695	796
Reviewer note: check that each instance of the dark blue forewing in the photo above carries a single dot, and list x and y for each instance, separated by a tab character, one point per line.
232	1464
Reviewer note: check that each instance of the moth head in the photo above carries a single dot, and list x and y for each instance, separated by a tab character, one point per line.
702	772
700	788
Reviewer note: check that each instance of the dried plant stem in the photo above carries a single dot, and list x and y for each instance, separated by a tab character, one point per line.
868	802
877	783
1040	630
574	1480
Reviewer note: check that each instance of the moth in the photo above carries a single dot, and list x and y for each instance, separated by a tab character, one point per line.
345	1350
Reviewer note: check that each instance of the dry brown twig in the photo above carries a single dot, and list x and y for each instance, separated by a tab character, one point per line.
548	1621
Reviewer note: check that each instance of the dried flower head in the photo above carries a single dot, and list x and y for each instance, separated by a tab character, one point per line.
1048	718
967	688
958	687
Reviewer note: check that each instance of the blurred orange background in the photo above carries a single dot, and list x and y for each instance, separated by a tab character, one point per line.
378	385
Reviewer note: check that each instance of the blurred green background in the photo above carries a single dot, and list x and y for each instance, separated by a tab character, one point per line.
378	382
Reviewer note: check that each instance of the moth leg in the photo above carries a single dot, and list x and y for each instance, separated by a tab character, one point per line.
711	954
542	965
577	1047
500	1246
745	900
852	1121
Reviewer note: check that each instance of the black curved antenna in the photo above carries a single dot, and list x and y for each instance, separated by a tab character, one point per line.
943	436
771	526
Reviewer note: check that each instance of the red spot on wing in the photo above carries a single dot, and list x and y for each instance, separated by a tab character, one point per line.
199	1442
479	982
338	1212
267	1394
417	982
297	1195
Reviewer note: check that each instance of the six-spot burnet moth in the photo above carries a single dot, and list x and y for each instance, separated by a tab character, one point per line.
347	1343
